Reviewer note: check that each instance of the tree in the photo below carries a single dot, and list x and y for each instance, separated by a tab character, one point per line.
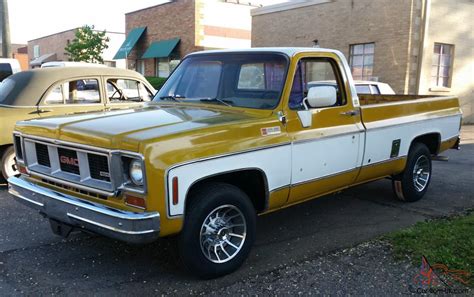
87	46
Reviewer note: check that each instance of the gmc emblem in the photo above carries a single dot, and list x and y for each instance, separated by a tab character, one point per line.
68	161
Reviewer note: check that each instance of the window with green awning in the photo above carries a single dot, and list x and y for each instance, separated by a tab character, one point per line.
161	49
129	43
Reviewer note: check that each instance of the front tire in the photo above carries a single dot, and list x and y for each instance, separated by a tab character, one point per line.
8	162
219	230
412	184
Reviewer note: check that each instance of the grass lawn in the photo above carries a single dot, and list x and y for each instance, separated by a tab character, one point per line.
446	241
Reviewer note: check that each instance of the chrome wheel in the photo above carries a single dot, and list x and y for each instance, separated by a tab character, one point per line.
421	173
9	167
223	234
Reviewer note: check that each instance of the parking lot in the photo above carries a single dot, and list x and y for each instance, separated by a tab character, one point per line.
33	261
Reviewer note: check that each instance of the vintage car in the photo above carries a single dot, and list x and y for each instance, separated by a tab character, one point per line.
231	134
57	91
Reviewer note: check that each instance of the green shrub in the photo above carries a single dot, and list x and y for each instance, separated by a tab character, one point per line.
156	82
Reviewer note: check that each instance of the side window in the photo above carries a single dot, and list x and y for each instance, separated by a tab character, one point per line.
375	90
127	90
363	89
81	91
321	76
55	96
252	77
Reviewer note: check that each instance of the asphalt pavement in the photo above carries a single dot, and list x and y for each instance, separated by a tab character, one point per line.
299	250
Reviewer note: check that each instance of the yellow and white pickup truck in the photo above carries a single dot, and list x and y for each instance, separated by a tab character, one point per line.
232	134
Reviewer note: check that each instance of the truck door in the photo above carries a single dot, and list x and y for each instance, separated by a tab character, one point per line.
326	131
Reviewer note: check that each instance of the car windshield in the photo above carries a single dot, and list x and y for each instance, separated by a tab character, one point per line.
6	88
250	80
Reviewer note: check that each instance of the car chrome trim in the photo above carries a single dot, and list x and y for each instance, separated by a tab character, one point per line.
117	183
109	227
71	184
134	227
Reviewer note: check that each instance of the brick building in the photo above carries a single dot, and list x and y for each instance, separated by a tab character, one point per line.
19	52
51	48
159	36
417	46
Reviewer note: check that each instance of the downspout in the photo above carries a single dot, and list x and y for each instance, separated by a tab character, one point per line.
423	36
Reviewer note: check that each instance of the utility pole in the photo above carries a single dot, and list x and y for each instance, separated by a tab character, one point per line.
5	30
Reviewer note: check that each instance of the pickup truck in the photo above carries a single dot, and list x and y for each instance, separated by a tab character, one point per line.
231	135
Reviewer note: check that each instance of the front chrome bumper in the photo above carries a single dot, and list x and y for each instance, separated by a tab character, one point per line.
118	224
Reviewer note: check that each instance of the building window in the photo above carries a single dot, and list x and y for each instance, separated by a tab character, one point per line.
361	59
442	65
140	67
164	67
36	51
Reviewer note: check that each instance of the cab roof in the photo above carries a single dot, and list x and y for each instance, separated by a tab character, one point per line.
288	51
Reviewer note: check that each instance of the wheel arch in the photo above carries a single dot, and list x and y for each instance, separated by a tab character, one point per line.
432	140
252	181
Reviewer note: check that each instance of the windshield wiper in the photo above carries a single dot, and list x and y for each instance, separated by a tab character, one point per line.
171	97
224	102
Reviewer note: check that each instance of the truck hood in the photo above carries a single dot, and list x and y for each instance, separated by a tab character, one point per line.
126	128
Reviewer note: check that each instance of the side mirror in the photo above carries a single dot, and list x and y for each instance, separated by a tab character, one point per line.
321	96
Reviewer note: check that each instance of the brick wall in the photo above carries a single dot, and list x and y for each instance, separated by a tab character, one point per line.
339	23
165	21
451	22
54	43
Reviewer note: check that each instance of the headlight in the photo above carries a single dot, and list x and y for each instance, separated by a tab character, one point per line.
136	172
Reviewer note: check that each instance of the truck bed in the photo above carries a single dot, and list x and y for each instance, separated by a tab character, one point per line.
406	107
393	121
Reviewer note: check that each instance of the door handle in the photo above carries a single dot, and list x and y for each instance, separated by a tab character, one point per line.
351	113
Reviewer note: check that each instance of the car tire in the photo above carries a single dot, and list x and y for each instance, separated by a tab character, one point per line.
8	163
219	230
412	184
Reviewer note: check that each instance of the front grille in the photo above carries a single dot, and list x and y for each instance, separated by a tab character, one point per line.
89	168
99	167
68	161
74	189
42	155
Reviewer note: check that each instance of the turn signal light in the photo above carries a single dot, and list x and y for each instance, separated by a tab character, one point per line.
135	201
22	169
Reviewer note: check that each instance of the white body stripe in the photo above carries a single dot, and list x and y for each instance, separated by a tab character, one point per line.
380	135
275	162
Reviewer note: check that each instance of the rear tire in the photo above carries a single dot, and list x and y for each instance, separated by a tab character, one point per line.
412	184
8	163
218	232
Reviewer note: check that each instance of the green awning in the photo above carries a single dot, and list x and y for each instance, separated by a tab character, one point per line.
129	43
161	49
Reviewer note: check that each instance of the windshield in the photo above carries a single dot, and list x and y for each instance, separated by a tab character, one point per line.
6	88
251	80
